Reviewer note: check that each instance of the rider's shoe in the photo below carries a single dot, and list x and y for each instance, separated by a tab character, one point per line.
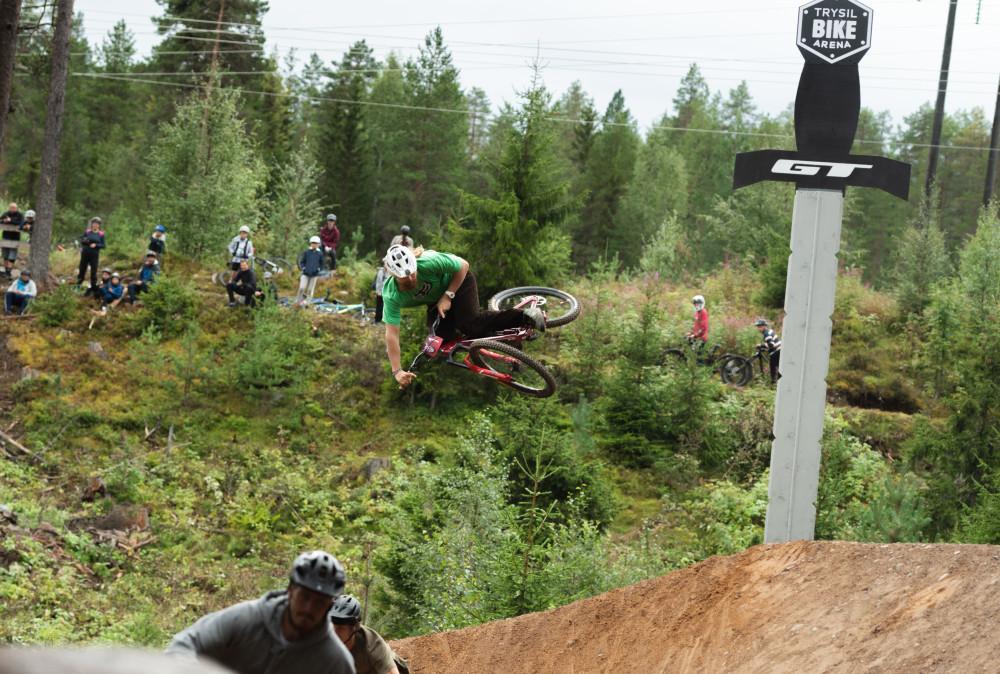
537	318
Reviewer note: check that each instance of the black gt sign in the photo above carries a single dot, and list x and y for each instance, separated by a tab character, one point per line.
834	31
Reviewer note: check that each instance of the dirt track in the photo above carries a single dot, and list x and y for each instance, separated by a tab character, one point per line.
797	607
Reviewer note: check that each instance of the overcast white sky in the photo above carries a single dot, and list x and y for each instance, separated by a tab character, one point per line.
639	46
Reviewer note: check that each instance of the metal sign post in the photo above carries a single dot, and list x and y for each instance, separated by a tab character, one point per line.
833	36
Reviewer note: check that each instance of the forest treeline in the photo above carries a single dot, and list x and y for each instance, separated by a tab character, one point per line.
391	141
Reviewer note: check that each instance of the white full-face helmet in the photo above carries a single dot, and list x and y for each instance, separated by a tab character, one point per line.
400	261
698	301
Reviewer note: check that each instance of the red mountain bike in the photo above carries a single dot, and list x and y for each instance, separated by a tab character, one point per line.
500	357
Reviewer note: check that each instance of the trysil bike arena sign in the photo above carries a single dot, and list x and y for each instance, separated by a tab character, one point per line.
834	31
832	36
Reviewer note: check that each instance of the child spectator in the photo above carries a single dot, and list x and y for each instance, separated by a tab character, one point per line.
330	237
244	283
29	221
20	293
13	218
240	249
145	278
112	293
311	264
91	244
158	241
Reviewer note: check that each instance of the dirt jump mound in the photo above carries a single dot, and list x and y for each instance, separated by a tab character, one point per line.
796	607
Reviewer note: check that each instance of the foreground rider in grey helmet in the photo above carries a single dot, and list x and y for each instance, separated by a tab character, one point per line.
370	652
283	632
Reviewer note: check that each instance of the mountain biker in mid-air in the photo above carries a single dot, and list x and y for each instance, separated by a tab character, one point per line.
699	331
445	284
773	345
283	632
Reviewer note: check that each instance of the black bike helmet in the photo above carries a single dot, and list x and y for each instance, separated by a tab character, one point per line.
405	230
760	322
318	571
346	610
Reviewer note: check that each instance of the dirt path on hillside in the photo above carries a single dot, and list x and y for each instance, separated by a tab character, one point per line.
797	607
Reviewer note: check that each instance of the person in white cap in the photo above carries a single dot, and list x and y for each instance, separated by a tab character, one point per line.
240	250
311	266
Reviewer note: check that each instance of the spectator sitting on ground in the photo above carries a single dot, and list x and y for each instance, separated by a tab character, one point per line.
11	217
158	241
112	293
20	293
329	234
145	278
311	264
244	283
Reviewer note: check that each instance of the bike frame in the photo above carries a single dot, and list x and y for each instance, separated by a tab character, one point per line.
436	347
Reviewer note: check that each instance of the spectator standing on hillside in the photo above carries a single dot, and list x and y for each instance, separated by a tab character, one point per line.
283	632
699	331
240	249
244	283
329	235
311	265
29	222
144	278
370	652
403	238
91	244
379	284
772	343
20	293
158	241
13	218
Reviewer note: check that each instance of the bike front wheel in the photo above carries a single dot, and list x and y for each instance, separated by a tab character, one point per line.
512	367
560	307
735	370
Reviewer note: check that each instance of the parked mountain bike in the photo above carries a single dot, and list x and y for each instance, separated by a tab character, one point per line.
729	365
359	311
738	370
500	357
275	265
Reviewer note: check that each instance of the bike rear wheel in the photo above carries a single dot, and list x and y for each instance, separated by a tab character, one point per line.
517	369
735	370
560	307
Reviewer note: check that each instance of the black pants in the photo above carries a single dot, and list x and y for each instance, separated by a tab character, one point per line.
773	362
245	291
134	289
465	317
89	257
378	308
332	255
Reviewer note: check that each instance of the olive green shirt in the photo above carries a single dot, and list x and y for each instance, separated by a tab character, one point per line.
371	654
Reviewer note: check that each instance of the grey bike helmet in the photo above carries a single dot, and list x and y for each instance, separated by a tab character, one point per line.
318	571
346	610
760	322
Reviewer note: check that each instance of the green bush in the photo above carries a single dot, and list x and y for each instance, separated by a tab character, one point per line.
56	308
168	307
277	351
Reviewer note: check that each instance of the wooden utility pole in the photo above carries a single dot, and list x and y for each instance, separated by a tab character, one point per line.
994	154
41	235
942	90
10	15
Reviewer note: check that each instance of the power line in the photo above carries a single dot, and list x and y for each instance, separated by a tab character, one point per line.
466	111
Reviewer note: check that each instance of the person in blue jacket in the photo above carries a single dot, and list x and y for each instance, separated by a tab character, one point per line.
144	278
312	265
112	293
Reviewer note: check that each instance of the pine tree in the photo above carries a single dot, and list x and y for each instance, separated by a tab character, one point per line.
922	258
190	32
520	222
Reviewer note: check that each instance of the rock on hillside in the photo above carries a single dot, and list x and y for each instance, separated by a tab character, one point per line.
795	607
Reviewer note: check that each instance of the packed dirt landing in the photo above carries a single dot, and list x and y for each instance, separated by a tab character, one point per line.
795	607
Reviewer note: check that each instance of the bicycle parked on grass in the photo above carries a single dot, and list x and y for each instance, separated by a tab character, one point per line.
500	357
725	363
738	371
359	311
275	265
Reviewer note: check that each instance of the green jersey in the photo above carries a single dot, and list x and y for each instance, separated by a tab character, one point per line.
434	273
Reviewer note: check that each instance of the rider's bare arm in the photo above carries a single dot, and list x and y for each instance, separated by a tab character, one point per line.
459	277
402	377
